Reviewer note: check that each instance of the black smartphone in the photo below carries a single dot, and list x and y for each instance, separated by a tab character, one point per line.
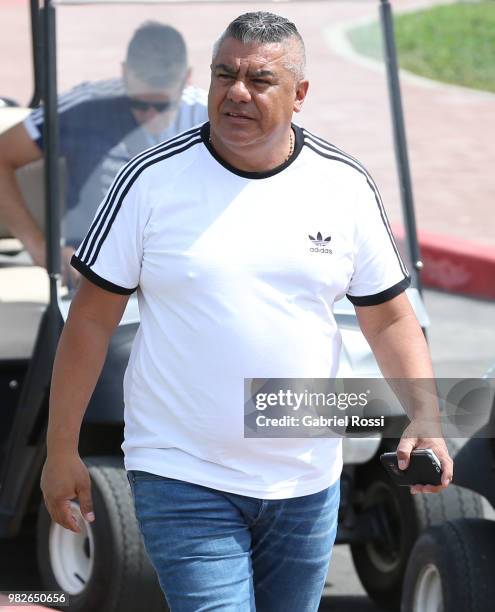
424	468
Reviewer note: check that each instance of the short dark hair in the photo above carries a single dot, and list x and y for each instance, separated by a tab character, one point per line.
264	27
157	54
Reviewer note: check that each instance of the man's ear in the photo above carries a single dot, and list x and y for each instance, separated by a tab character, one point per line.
301	91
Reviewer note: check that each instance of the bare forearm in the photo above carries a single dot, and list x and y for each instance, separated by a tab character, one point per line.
402	353
78	364
401	350
16	216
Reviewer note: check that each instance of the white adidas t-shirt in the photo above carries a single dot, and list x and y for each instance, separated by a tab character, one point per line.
236	278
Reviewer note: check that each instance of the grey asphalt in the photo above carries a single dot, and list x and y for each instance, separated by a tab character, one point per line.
461	335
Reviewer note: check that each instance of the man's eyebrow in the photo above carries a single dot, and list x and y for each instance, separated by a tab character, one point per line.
225	68
262	73
233	71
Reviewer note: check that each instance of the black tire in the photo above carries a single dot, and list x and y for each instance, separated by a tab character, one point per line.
459	554
121	577
381	565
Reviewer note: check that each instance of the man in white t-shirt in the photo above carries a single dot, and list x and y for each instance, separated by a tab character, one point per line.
238	236
102	125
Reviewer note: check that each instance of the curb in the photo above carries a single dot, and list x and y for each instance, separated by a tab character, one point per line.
337	38
454	264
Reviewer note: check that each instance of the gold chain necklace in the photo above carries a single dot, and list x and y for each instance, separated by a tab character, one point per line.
291	145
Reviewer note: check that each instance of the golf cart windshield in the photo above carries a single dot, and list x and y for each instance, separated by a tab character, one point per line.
347	105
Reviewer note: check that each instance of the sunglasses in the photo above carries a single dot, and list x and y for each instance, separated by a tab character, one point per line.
143	105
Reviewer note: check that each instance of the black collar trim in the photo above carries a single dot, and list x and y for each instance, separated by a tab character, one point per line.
298	145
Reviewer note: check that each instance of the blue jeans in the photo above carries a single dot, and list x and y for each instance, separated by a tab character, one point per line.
214	550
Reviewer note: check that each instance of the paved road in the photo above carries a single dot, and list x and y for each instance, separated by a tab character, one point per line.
461	335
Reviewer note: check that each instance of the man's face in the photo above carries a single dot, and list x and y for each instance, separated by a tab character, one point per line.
252	94
152	108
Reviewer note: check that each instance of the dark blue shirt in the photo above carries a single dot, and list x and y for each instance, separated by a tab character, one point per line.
97	136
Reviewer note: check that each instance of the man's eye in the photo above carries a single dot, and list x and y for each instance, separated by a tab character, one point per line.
261	82
225	77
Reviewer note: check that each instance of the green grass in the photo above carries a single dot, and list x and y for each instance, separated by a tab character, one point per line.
453	43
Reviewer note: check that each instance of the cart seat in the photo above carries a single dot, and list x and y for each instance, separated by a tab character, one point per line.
24	288
24	293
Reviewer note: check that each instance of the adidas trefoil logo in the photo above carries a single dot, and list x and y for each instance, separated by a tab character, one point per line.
320	244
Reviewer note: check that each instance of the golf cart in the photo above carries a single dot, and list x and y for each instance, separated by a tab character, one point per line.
105	568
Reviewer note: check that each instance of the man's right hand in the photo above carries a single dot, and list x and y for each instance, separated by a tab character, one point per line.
64	478
94	315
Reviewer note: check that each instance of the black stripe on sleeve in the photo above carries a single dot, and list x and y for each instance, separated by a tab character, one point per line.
129	172
98	280
345	159
104	230
383	296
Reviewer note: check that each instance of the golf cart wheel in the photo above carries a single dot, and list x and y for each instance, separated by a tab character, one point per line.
451	568
400	518
105	567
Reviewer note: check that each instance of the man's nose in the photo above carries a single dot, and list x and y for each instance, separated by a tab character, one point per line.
238	92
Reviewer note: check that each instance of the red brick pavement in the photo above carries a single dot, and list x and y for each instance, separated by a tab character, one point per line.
450	140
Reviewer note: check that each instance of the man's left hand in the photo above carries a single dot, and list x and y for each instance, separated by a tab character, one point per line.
409	442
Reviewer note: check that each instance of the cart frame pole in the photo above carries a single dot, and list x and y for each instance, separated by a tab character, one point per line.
400	141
